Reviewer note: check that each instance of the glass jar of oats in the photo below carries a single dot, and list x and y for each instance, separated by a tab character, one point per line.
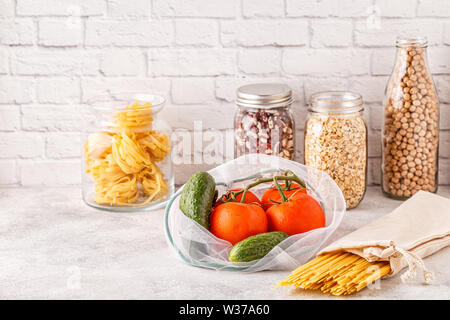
336	141
411	124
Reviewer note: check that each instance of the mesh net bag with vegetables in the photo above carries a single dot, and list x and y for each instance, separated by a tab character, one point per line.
253	213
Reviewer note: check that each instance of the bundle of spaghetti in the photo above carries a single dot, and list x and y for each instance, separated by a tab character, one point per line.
123	162
338	273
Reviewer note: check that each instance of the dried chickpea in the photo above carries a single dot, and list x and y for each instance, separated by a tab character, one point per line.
411	126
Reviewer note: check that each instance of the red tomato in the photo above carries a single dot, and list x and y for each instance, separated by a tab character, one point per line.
250	197
274	194
235	221
300	214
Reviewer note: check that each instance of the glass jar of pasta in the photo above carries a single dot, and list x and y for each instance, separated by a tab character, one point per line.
411	124
263	122
336	141
126	153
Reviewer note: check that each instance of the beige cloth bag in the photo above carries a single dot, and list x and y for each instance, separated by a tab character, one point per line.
416	229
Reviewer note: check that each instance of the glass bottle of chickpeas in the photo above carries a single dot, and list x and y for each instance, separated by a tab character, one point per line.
411	124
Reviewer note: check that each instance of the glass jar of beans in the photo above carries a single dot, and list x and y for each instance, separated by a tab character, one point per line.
263	121
336	141
411	124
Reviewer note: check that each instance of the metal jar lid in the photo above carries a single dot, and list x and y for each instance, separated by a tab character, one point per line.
337	102
264	95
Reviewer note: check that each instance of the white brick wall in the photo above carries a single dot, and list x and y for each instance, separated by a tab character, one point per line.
56	54
57	32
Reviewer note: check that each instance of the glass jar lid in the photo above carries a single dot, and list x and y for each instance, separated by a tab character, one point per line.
264	95
338	102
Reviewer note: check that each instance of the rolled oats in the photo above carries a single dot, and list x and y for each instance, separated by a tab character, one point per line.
338	146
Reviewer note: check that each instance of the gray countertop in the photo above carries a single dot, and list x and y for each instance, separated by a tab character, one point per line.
53	246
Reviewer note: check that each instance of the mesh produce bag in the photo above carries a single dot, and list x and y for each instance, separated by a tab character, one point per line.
197	246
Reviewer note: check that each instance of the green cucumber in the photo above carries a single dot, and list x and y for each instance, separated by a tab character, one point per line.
197	197
256	247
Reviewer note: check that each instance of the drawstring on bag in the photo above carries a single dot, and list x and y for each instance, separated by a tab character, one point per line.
414	261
